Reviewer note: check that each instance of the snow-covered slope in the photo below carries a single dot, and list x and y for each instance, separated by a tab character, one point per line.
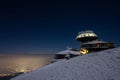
104	65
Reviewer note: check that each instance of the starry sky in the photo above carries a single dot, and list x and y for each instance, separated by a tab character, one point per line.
50	26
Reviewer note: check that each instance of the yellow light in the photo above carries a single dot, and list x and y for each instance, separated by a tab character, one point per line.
83	51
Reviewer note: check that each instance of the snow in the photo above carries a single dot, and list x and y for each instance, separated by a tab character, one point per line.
95	42
68	51
104	65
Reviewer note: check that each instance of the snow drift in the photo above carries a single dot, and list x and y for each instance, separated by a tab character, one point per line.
104	65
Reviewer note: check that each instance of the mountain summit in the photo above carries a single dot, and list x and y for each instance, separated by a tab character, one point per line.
104	65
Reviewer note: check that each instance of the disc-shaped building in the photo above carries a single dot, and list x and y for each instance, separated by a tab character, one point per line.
90	43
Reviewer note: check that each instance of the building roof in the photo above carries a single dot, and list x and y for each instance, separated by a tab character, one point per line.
95	42
68	51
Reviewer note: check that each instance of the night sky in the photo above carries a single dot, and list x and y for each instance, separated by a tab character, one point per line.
51	26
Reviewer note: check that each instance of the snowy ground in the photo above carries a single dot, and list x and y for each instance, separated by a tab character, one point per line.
104	65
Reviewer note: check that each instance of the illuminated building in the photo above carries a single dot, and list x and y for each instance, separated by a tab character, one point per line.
90	43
